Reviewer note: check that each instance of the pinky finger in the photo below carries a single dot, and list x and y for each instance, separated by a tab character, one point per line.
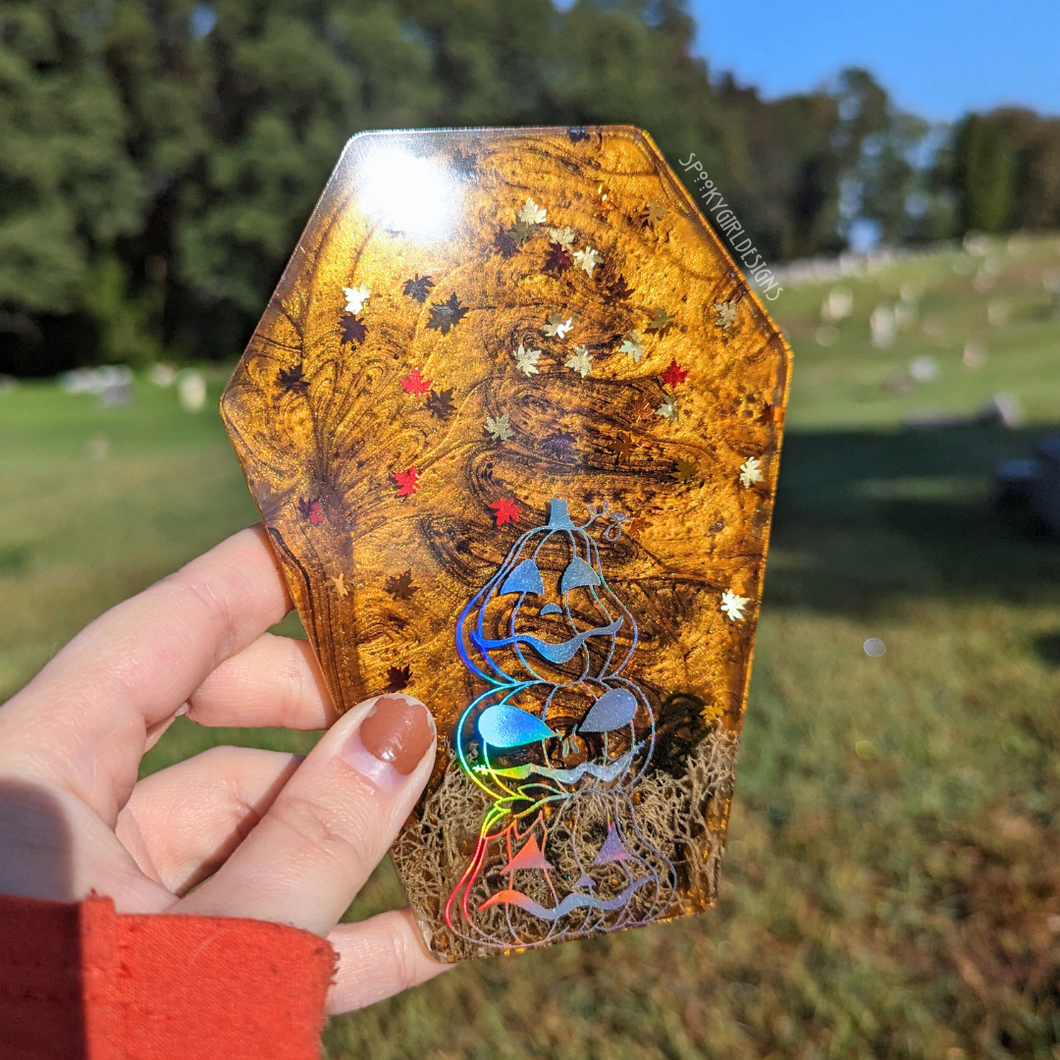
378	957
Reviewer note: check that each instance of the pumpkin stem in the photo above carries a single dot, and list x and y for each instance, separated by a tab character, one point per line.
557	515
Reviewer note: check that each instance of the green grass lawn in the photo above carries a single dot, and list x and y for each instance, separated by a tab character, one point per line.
892	883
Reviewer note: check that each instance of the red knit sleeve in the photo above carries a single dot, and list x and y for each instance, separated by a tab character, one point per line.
80	981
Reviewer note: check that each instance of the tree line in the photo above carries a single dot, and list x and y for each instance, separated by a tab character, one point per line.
159	157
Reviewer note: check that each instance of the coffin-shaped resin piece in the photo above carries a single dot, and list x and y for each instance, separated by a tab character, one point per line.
513	421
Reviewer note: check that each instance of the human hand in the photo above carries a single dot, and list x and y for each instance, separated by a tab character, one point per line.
257	834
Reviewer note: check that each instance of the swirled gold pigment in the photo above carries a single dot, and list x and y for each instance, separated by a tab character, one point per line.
513	419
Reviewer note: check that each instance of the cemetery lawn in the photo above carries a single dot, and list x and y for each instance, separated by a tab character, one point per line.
892	882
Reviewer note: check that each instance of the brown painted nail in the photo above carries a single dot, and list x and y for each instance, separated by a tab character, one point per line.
391	741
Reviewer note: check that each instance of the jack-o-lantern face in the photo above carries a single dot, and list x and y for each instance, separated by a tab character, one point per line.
557	739
548	613
551	638
583	872
537	743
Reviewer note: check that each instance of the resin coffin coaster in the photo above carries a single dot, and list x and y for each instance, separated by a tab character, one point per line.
513	420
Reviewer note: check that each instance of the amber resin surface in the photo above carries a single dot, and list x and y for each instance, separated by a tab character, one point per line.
513	420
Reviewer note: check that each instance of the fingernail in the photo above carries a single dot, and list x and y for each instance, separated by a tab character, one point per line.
391	741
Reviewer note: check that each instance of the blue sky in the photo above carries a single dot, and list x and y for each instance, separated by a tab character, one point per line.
937	58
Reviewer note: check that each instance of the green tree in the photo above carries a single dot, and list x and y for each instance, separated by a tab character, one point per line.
790	159
280	89
160	158
1035	145
238	112
983	173
68	190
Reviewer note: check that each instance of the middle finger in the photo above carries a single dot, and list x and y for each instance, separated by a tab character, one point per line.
274	681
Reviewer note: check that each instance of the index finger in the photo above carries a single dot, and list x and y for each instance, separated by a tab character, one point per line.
81	722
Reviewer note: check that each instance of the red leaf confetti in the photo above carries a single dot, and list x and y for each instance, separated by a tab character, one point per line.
414	383
558	259
674	374
397	678
408	482
506	511
310	510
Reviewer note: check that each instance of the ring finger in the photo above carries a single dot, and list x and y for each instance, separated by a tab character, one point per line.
182	822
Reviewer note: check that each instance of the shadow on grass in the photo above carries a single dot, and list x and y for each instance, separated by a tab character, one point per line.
864	518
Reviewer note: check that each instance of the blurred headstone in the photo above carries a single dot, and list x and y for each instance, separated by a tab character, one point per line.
1032	486
923	369
933	420
111	383
98	447
162	375
881	324
974	355
1002	410
78	381
936	331
984	280
837	306
114	385
897	383
997	312
7	384
1051	282
976	244
1013	480
191	390
905	314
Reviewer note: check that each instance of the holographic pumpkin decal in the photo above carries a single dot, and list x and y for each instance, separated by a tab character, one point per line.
513	419
556	741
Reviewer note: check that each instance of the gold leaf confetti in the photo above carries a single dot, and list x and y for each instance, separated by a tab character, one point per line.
563	236
557	327
685	470
726	313
355	298
580	361
526	360
751	472
654	211
733	605
668	409
633	344
587	260
499	429
661	320
531	213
